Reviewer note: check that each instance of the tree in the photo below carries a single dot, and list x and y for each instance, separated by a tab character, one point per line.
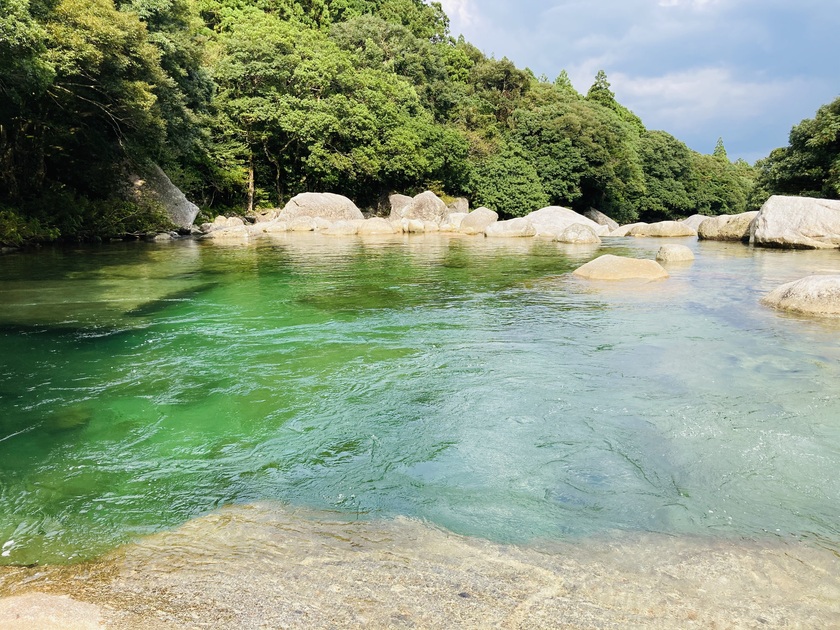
810	164
720	150
508	184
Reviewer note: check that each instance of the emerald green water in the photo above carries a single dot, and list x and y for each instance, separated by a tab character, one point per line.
472	383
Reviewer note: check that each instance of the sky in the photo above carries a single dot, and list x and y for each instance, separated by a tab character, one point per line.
742	70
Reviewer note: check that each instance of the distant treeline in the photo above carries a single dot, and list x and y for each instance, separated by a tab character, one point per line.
245	104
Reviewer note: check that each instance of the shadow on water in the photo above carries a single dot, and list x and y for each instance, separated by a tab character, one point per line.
157	305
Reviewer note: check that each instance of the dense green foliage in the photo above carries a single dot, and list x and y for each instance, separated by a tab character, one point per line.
245	104
810	164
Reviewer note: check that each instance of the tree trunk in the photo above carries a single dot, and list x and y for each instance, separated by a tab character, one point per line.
251	184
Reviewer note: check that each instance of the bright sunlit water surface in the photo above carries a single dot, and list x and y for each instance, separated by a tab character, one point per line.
472	383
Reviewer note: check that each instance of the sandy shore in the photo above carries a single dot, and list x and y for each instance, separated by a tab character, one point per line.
266	566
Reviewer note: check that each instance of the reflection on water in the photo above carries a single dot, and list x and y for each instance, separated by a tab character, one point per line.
473	383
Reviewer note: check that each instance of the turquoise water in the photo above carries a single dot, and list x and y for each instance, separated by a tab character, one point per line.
469	382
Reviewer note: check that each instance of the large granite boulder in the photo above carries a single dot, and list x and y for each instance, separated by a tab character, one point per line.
672	253
512	228
459	204
814	295
797	223
154	185
600	218
727	227
663	229
609	267
550	222
397	203
695	220
328	206
426	206
578	234
477	221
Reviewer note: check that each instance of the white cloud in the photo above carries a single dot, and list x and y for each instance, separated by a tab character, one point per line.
461	11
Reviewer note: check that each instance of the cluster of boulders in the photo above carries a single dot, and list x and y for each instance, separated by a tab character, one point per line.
783	222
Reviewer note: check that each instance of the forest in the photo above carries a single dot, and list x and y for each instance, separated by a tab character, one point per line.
245	104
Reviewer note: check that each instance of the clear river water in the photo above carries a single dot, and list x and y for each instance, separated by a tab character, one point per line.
471	383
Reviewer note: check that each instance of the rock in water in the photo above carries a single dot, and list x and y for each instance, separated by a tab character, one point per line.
327	206
797	223
578	234
727	227
477	221
814	295
609	267
157	187
426	206
674	253
513	228
550	222
663	229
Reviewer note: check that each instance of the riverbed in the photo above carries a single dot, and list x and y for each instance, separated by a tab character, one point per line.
466	387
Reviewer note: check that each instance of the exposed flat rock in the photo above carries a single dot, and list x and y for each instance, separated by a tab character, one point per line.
477	221
236	233
814	295
727	227
327	206
663	229
512	228
578	234
343	228
797	223
674	253
609	267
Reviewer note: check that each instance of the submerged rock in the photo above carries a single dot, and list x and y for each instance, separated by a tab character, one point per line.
609	267
727	227
674	253
797	223
327	206
814	295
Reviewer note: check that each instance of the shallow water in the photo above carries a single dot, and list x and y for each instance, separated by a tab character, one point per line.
468	382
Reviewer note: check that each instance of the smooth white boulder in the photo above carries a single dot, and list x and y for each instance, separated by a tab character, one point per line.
695	220
727	227
512	228
672	253
663	229
327	206
550	222
376	225
797	223
477	221
814	295
426	206
578	234
623	230
610	267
